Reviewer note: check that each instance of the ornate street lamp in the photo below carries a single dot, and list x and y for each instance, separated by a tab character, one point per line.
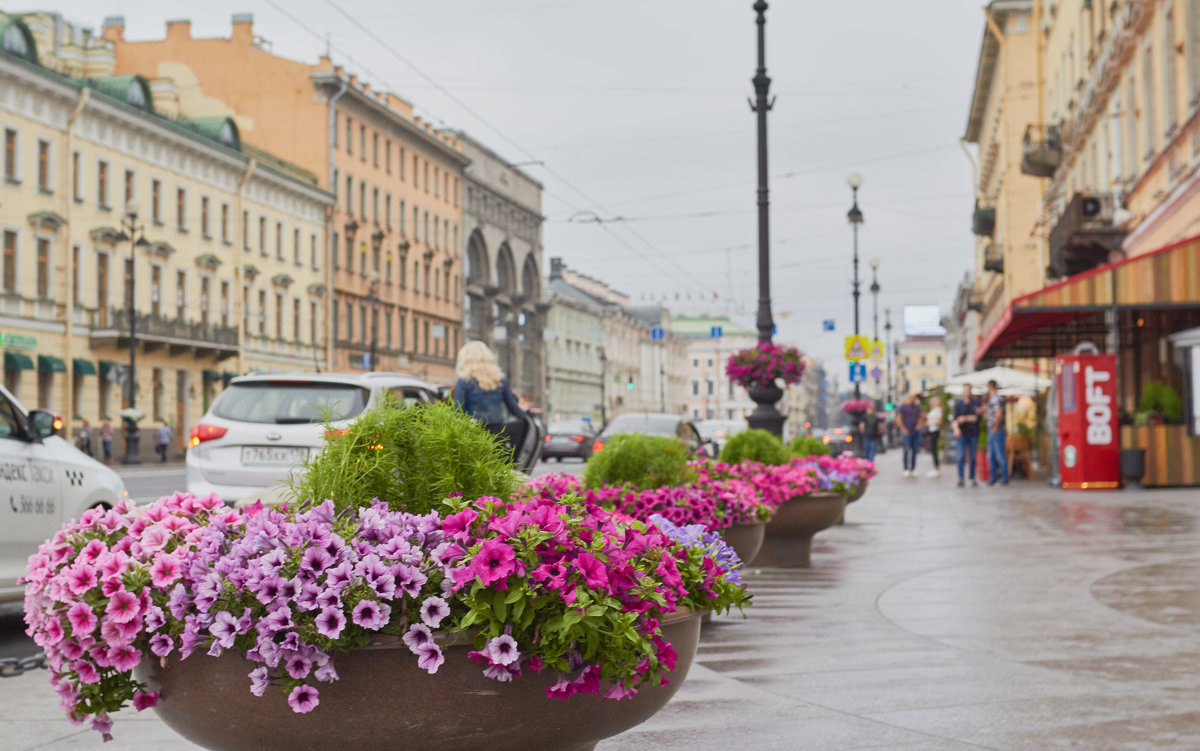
765	416
855	216
603	383
130	229
874	263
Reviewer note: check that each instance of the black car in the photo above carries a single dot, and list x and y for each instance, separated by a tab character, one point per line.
569	438
652	423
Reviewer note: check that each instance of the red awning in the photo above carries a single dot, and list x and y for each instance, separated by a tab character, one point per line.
1054	319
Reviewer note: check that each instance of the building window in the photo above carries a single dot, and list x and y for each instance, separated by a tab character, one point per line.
130	183
712	387
313	325
362	198
387	211
205	293
362	323
333	251
403	268
349	253
695	387
1170	93
349	194
313	250
204	217
279	241
349	321
225	223
296	254
278	315
181	209
11	154
262	313
246	231
387	156
246	308
43	267
102	185
76	177
400	330
401	216
375	148
349	135
76	262
1149	131
155	289
43	167
225	303
262	235
362	142
375	205
181	295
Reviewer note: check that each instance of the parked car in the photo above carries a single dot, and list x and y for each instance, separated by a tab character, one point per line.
718	432
44	481
839	440
652	423
569	438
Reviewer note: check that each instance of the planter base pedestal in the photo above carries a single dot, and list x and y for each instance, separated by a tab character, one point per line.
788	538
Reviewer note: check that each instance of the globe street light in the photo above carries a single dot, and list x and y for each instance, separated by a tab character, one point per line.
855	216
130	229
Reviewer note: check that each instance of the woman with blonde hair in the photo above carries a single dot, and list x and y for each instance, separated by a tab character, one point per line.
482	390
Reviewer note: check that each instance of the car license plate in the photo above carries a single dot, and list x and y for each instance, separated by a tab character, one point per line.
273	454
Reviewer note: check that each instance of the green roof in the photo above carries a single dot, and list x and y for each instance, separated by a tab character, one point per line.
702	326
221	129
17	40
130	89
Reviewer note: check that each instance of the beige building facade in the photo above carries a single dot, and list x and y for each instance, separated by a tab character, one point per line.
920	364
1009	259
110	205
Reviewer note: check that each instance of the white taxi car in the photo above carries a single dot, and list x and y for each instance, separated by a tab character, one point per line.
44	481
263	426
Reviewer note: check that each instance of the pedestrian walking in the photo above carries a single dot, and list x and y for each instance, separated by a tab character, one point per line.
966	432
933	432
83	441
868	428
997	439
483	392
909	419
106	439
164	434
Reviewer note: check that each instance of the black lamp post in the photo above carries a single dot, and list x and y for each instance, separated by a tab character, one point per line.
135	235
765	416
855	216
603	382
874	263
373	301
887	326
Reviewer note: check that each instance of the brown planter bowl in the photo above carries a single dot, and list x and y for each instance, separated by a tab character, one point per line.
383	702
788	538
858	493
745	539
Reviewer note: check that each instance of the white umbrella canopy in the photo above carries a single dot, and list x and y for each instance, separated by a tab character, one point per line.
1011	382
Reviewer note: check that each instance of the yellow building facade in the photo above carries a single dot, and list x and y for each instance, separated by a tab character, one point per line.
396	242
108	206
1009	261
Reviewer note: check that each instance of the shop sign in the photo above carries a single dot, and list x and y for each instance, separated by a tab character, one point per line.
17	341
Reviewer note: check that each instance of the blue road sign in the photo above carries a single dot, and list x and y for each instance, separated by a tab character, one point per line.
858	372
656	333
774	329
716	332
828	324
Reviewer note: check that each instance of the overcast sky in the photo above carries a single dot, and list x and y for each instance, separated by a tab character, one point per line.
638	109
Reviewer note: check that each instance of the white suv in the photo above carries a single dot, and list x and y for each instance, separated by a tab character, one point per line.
44	481
262	426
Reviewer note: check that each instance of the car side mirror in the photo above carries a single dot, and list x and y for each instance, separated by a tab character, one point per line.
45	423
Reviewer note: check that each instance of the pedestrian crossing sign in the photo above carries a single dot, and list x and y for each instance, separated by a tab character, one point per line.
877	350
857	348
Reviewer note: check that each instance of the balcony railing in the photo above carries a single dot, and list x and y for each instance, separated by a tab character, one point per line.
1041	151
993	259
152	332
1085	236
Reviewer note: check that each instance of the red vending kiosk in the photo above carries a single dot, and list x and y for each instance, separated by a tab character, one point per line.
1088	437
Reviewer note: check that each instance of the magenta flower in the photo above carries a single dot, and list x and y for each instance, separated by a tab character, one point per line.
494	561
417	636
595	575
82	618
259	680
165	571
81	578
123	607
303	699
145	700
298	666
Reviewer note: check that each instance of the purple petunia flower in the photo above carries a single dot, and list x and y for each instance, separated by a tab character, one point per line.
418	635
259	680
433	610
502	650
303	699
429	657
330	622
371	614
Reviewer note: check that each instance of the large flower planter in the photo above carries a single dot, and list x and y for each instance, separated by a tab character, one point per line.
745	539
383	701
788	538
859	492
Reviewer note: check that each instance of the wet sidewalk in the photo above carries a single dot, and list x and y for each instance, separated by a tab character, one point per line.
936	618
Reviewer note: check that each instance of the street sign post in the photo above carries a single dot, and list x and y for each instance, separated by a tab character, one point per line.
828	324
715	332
876	351
656	333
858	372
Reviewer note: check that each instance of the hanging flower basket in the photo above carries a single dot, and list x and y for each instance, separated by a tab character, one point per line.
762	365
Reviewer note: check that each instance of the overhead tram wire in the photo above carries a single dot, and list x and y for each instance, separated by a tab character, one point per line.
484	121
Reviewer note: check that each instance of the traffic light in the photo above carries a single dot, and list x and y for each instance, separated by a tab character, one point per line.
629	386
890	406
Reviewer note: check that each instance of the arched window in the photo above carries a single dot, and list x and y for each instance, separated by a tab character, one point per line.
18	42
135	95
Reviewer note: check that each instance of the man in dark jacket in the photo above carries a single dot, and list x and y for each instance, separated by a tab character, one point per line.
966	430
